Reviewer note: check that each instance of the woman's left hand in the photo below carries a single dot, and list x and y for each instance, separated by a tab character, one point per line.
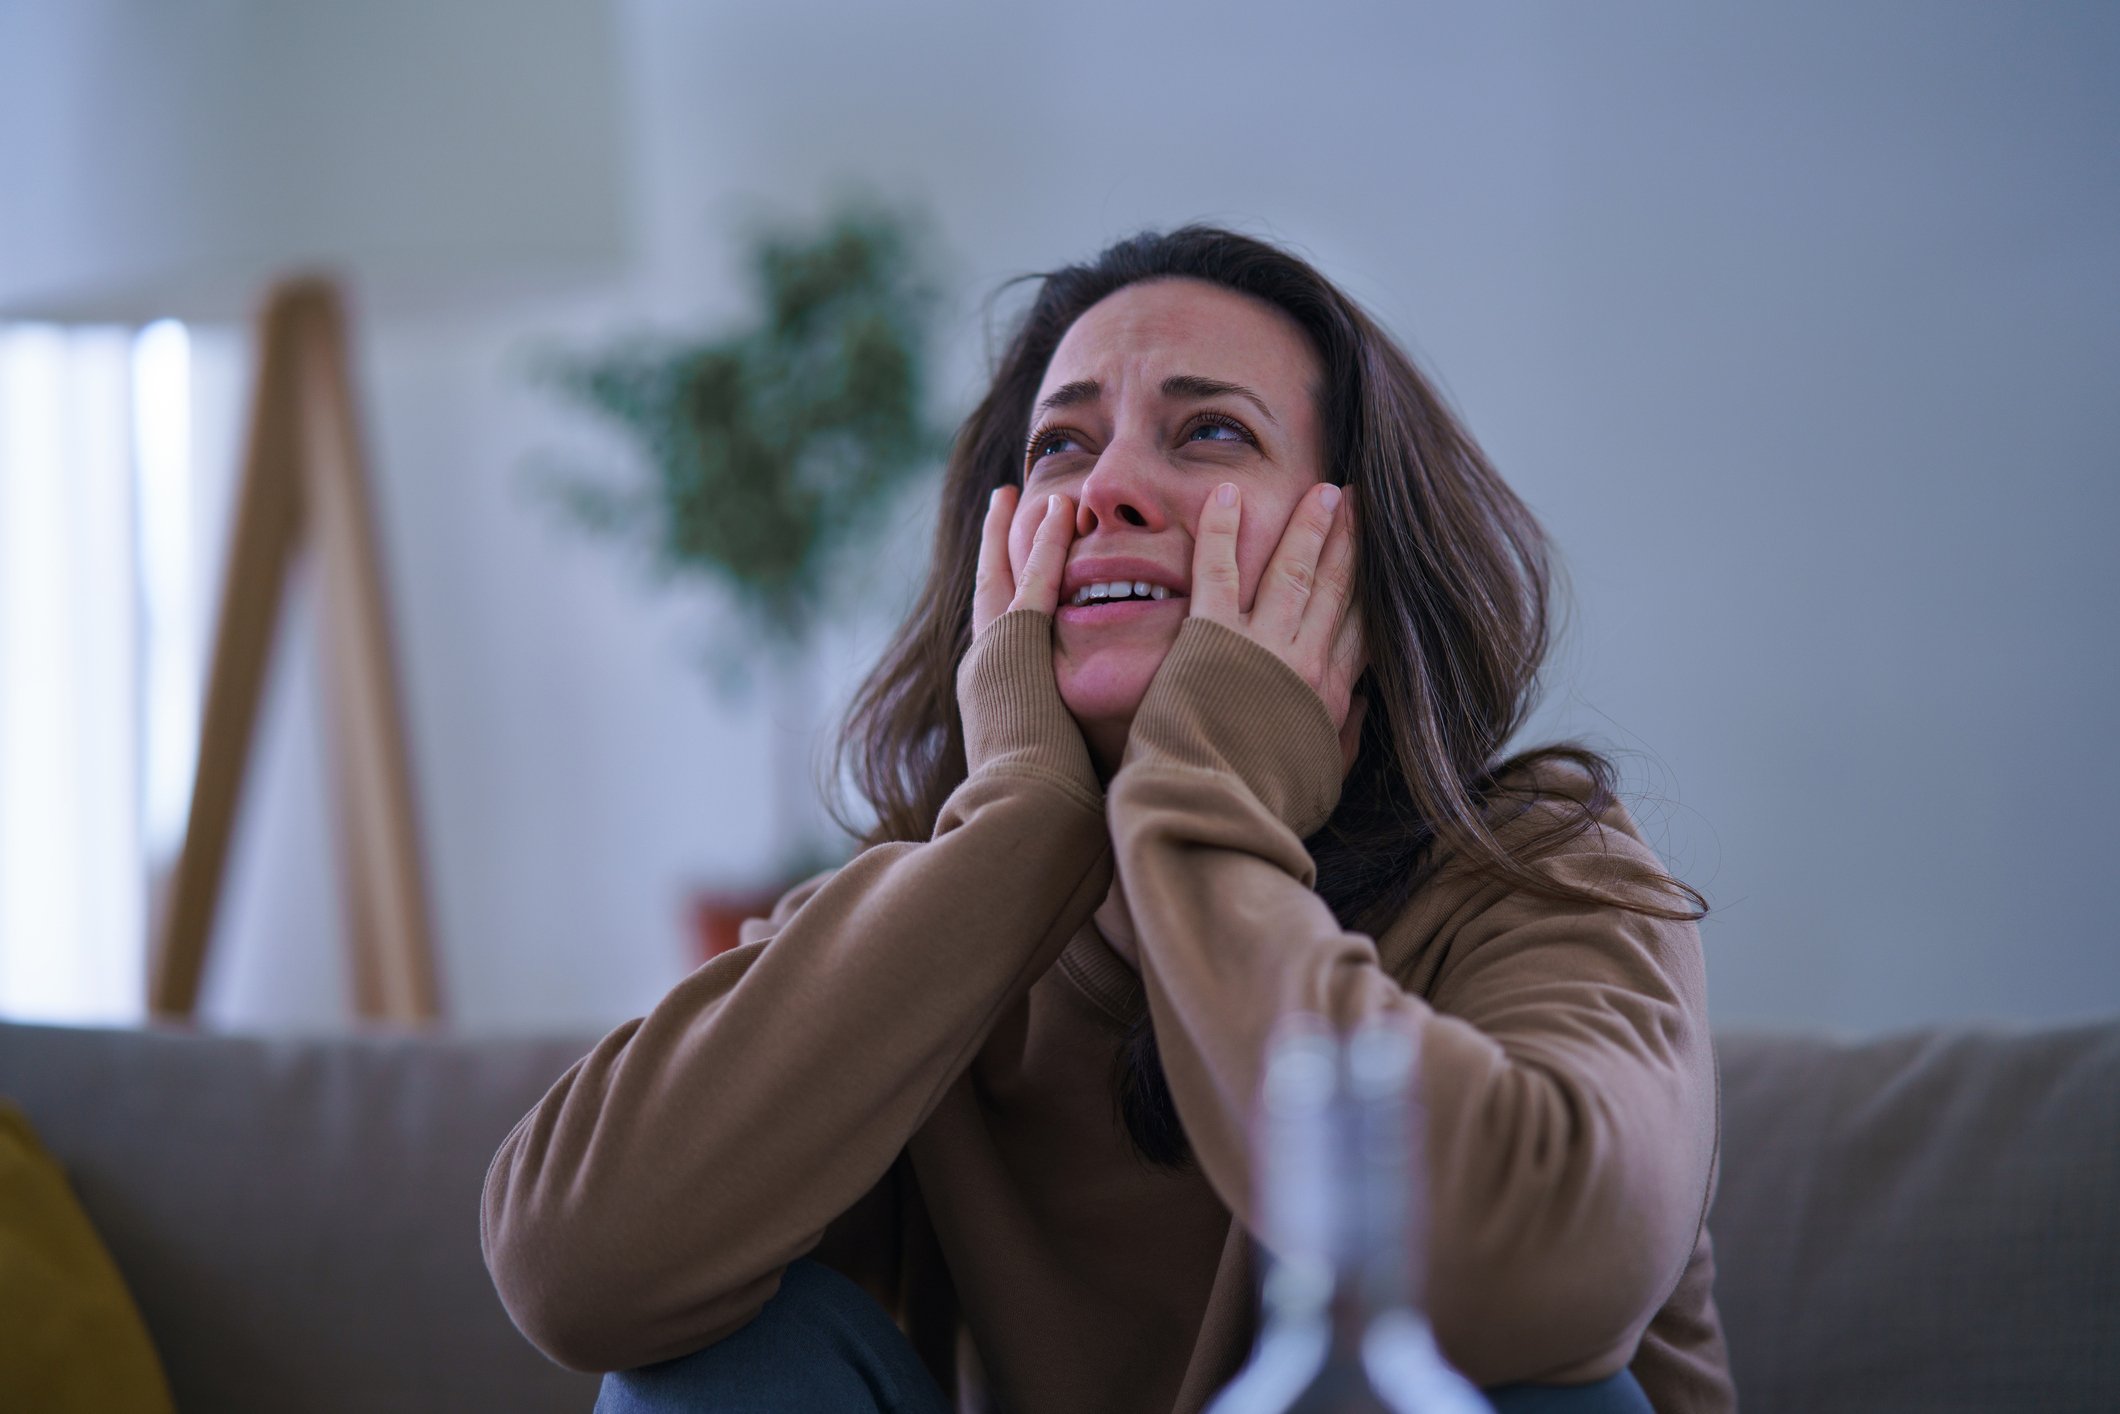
1304	613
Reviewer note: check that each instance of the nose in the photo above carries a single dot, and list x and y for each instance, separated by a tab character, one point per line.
1122	489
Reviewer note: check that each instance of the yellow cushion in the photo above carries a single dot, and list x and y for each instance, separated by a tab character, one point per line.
71	1341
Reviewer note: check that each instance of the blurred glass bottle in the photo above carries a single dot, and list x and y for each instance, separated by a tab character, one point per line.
1342	1180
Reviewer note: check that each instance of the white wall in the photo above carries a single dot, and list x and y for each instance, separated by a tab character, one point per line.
1798	325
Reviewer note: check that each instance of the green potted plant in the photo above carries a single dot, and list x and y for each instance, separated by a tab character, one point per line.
766	455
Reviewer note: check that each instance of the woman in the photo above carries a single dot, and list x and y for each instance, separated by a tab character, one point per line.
995	1072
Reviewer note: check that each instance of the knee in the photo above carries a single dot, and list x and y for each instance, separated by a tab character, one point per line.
1615	1394
787	1357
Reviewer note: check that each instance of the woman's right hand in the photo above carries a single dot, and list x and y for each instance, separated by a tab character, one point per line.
1001	584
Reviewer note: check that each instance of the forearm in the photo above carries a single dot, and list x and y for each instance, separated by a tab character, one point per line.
1567	1149
1567	1085
648	1203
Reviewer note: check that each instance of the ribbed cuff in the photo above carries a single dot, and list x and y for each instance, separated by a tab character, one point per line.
1011	707
1221	702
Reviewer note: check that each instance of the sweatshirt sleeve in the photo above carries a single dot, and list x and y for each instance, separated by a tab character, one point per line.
1564	1058
647	1206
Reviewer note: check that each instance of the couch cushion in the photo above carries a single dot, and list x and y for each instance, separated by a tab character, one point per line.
298	1219
1927	1221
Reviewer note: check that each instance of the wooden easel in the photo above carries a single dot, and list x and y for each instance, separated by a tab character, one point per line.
303	477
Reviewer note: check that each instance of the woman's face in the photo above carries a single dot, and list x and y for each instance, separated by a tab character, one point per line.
1156	395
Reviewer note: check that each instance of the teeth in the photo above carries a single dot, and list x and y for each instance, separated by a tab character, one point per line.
1119	589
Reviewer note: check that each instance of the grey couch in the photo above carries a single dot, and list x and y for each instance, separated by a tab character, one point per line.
1929	1221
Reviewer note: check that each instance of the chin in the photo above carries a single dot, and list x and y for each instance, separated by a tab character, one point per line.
1109	688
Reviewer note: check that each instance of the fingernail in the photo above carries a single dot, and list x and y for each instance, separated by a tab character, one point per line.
1226	494
1331	497
1052	503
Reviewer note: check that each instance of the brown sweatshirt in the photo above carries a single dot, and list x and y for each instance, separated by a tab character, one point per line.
906	1072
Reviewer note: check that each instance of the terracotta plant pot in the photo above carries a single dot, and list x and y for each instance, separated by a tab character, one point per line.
718	915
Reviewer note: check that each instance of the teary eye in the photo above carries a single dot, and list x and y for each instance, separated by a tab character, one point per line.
1216	419
1042	441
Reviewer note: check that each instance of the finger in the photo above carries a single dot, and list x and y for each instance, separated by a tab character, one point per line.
1214	576
1291	575
1040	586
994	585
1332	589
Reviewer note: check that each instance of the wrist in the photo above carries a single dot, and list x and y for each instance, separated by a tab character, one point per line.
1009	703
1225	703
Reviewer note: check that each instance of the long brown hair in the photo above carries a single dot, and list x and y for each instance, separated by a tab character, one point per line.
1454	582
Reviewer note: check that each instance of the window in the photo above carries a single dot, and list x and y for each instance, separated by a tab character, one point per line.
102	627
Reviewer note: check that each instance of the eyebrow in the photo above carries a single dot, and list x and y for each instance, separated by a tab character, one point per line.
1178	385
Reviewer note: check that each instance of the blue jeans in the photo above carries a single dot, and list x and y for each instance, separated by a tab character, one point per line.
822	1346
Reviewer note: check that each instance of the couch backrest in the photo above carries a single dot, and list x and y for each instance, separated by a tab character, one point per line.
1928	1221
298	1219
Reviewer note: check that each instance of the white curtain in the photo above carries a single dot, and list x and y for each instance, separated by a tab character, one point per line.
72	868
